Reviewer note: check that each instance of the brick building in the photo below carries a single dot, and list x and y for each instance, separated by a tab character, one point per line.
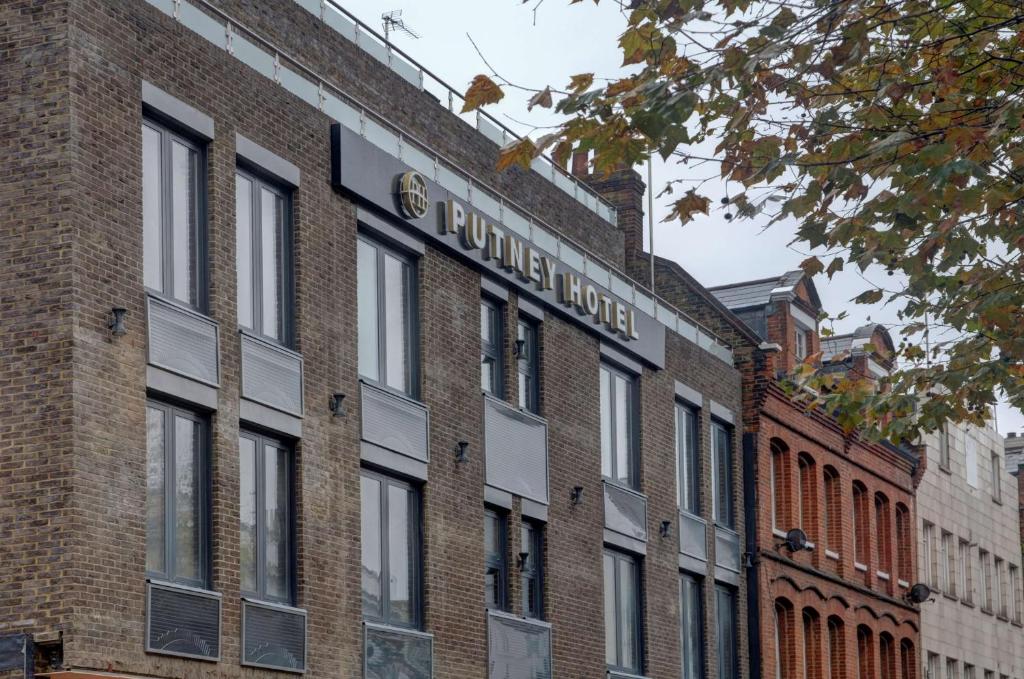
831	516
293	380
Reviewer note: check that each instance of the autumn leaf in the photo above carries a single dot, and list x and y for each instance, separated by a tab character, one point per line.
482	91
812	266
519	152
687	206
542	99
580	82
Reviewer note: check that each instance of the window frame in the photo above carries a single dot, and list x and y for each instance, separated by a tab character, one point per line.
203	441
685	618
532	568
636	630
415	535
261	441
528	366
997	481
728	520
286	266
494	350
728	662
382	249
688	459
498	561
632	417
169	133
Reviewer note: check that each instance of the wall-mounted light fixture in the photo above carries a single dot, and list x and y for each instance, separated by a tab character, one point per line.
666	528
523	558
919	593
116	322
576	496
462	451
520	347
337	404
796	541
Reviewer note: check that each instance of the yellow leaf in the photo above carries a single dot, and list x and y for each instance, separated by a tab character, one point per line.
581	82
519	152
481	91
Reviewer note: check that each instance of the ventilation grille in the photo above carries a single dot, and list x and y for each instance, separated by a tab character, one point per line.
394	422
271	375
182	341
273	636
625	512
183	621
389	652
516	450
518	649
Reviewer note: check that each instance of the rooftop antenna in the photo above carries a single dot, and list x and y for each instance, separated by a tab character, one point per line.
393	22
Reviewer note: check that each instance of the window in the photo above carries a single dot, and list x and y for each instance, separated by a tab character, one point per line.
621	611
860	523
617	438
779	486
177	495
691	628
386	313
883	533
971	460
999	582
836	649
985	582
944	435
721	442
528	365
969	672
865	653
688	459
965	584
947	562
832	509
784	651
997	486
908	660
934	666
887	656
266	513
727	641
989	674
904	557
496	559
807	495
173	215
800	343
263	242
530	572
812	644
952	669
931	570
492	349
1015	594
391	550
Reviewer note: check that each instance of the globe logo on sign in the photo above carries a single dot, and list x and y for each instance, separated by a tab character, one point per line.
412	191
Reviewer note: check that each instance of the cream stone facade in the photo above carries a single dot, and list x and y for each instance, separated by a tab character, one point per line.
969	542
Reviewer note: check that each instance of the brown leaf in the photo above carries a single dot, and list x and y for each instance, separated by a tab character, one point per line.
542	99
481	91
520	152
811	266
686	206
581	82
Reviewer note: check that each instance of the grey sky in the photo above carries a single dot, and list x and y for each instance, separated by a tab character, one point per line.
566	40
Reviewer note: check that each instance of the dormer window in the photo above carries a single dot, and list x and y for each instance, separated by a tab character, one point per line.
801	344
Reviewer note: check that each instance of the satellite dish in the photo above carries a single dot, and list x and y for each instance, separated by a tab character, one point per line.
919	593
796	540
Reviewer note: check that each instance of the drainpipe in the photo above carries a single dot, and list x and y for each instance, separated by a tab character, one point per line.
750	558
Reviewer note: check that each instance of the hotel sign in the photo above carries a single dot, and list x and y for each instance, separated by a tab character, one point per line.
412	202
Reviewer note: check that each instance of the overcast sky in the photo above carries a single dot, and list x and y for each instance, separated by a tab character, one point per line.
566	40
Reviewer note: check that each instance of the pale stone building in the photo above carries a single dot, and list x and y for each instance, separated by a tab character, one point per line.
970	557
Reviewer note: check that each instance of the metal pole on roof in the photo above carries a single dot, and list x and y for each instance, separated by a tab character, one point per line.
650	212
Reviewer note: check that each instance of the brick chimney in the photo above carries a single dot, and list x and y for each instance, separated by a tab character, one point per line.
624	189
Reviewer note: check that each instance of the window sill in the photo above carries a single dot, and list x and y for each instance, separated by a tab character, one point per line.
951	597
829	554
391	390
778	533
968	603
1003	618
946	469
1016	623
860	567
997	500
987	610
903	583
882	575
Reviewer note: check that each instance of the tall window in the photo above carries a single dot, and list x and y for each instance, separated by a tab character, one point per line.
531	566
934	666
931	571
727	641
492	349
386	317
971	460
832	509
947	562
836	649
807	495
969	672
861	541
801	343
904	558
784	651
496	559
943	435
687	459
908	660
999	583
266	513
887	656
617	437
952	669
812	644
173	214
865	653
691	627
177	499
997	468
721	442
965	586
1015	594
528	365
263	241
882	533
779	486
985	579
391	550
621	611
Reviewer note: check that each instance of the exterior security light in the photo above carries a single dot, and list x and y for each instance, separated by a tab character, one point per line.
666	528
116	322
520	347
919	593
523	557
576	496
336	404
461	451
796	540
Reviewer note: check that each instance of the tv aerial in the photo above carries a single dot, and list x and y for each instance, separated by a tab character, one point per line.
393	22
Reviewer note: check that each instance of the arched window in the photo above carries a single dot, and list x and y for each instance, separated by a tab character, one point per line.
832	510
807	496
904	544
836	649
780	486
812	644
861	541
887	655
785	653
865	653
883	533
908	660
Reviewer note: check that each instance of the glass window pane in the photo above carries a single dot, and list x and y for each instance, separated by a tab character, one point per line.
487	374
524	391
628	609
247	513
187	466
396	285
156	561
622	448
276	511
183	221
369	334
401	559
606	423
610	638
692	627
243	249
486	322
271	215
152	209
371	547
